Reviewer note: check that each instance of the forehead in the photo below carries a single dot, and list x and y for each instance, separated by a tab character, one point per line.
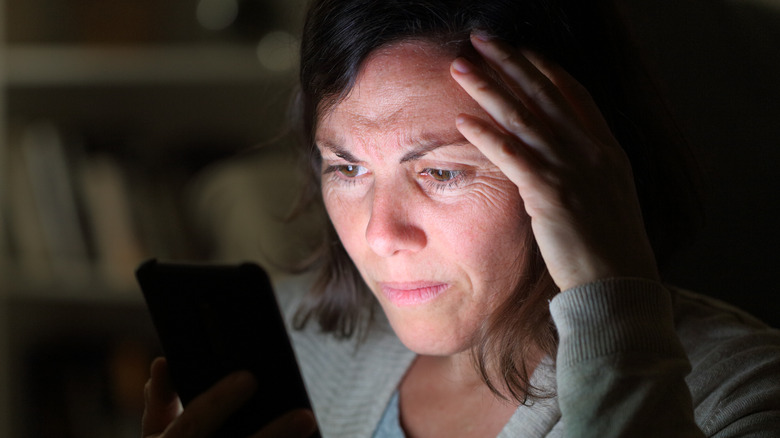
405	86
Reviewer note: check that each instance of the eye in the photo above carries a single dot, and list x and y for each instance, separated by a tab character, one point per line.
351	170
441	175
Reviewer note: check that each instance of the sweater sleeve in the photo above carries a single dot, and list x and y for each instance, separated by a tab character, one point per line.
620	365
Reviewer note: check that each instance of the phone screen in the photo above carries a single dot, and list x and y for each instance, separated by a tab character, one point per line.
215	319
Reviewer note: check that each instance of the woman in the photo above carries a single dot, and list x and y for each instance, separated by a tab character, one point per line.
487	202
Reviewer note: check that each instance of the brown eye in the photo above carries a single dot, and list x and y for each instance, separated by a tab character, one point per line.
351	170
441	175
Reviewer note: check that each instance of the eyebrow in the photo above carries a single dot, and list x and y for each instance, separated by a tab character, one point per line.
423	145
338	151
429	142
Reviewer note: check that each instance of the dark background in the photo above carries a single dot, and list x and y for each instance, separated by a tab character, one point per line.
719	64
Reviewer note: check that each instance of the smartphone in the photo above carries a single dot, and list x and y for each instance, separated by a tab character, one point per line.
212	320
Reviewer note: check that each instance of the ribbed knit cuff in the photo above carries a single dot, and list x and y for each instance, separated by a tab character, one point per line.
614	316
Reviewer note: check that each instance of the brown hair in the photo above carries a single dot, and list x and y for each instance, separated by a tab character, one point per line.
584	38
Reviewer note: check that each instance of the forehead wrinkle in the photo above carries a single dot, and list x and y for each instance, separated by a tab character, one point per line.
378	114
388	111
419	146
429	141
359	139
373	133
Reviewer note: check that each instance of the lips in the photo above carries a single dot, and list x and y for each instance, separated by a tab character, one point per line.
404	294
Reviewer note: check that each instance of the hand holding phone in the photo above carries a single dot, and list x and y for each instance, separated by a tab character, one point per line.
214	320
164	417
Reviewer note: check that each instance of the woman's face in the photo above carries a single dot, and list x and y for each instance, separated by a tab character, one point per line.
434	228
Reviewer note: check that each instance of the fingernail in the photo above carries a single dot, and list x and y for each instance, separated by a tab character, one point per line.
461	65
244	379
307	424
299	423
481	35
460	120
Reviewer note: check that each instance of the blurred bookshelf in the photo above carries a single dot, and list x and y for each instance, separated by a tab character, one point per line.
110	113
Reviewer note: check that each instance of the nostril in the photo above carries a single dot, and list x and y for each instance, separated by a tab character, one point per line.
391	233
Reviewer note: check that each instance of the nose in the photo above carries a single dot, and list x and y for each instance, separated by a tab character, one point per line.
391	227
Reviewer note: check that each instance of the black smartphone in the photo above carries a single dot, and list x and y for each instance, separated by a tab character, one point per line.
215	319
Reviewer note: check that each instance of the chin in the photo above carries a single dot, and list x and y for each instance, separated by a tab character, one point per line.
430	339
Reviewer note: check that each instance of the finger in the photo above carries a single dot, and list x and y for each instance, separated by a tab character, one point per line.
205	413
505	110
161	388
162	405
535	89
574	92
518	162
294	424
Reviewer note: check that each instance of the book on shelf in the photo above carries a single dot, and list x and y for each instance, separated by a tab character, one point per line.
67	212
106	201
82	211
52	183
28	248
6	245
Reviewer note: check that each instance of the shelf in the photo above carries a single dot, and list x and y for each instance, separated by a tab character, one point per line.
98	294
54	65
17	288
92	295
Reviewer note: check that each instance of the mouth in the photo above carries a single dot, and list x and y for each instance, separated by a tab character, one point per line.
412	293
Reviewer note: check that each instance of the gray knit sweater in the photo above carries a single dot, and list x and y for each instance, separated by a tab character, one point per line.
635	359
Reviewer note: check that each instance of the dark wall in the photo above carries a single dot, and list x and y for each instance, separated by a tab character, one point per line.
719	64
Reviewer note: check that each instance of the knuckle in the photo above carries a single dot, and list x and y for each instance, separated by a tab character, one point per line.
508	57
517	120
545	90
508	148
479	130
483	87
503	54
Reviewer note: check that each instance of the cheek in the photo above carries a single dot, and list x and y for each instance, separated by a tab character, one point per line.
345	213
491	206
487	227
331	201
335	205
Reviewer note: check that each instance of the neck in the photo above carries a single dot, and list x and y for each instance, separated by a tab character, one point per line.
446	396
458	369
460	372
